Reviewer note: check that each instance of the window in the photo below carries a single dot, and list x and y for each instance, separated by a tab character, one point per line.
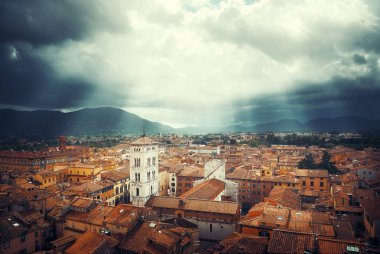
321	184
23	237
154	161
137	192
303	183
264	233
148	161
210	227
312	183
36	234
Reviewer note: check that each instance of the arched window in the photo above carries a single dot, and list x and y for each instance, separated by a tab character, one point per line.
154	174
137	192
148	162
117	190
148	175
154	161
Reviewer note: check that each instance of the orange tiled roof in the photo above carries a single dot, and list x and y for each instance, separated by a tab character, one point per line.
209	190
83	202
231	208
312	173
328	246
285	197
249	244
96	216
124	215
192	171
290	242
90	242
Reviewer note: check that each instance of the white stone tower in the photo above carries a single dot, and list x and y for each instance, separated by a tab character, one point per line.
143	170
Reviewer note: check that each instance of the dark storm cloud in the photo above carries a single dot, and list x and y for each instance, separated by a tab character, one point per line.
27	81
42	22
27	26
338	97
359	59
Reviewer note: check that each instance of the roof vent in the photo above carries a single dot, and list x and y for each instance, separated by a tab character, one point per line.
152	225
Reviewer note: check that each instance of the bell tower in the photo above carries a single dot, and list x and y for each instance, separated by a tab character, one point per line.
144	179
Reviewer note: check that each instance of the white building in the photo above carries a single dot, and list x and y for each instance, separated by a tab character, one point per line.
144	178
216	169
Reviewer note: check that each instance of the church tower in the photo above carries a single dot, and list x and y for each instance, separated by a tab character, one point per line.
143	170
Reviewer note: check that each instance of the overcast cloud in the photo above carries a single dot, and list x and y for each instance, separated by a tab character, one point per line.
193	62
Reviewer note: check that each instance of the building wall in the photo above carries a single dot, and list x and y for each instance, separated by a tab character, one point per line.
314	183
164	183
143	186
173	183
46	181
16	245
221	226
213	230
367	174
185	183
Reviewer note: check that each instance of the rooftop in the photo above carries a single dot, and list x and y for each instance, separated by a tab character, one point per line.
231	208
312	173
290	242
143	140
209	190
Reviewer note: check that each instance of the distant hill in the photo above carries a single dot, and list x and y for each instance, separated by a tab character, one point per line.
340	124
348	123
88	121
106	121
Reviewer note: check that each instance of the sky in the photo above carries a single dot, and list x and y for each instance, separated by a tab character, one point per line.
194	62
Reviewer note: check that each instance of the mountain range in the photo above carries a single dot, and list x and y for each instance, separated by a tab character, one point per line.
106	120
88	121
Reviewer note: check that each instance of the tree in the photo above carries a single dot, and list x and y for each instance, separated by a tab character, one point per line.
307	162
327	164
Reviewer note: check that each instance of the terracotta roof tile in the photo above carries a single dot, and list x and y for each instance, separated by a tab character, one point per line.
290	242
209	190
194	205
328	246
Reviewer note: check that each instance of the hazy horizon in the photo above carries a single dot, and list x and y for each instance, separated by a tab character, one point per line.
193	63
